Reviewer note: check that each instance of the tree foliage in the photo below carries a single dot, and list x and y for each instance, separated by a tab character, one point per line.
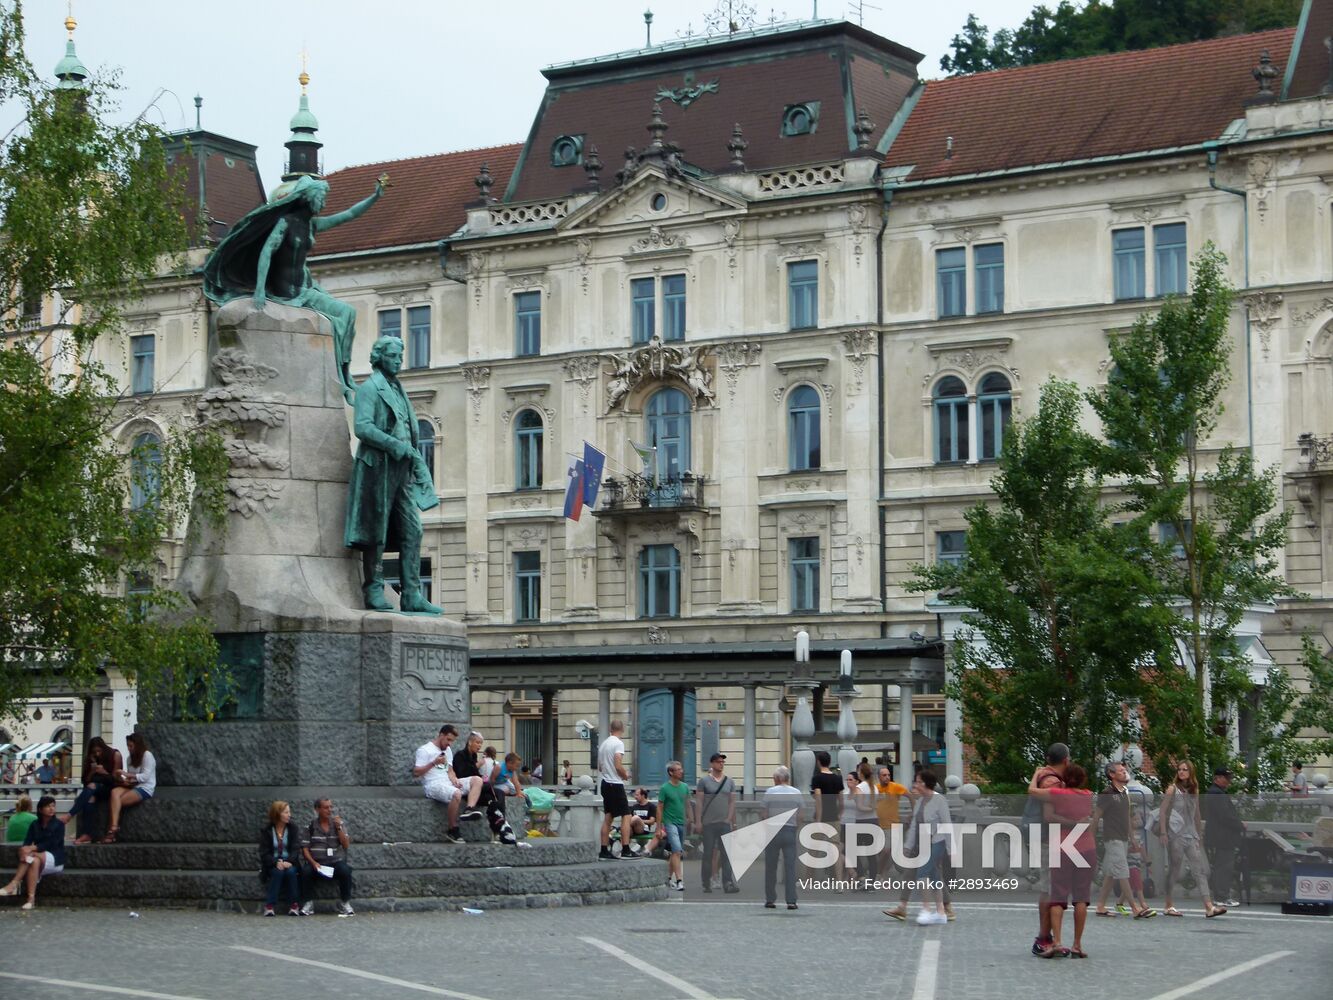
86	223
1059	622
1069	30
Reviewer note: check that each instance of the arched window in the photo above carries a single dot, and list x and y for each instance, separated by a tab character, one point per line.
426	445
803	429
668	414
528	450
145	463
950	420
994	406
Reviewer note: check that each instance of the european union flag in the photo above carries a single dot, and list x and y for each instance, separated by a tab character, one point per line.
594	462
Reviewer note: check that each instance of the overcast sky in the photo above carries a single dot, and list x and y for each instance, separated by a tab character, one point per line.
414	76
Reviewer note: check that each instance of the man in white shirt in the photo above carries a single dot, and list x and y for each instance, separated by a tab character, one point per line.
781	798
431	767
615	803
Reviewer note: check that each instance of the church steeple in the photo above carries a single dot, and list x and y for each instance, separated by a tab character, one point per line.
70	71
303	148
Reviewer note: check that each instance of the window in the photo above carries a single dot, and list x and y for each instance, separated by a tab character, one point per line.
528	448
567	150
1127	249
1166	532
145	462
994	406
803	429
950	547
527	324
143	354
643	308
668	416
1170	265
393	576
391	323
951	428
803	554
426	445
659	582
138	588
951	281
527	586
803	294
418	337
988	261
800	119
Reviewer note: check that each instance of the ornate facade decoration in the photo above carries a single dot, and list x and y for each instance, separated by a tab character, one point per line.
1322	306
583	251
476	265
860	345
686	95
477	378
856	220
241	409
583	370
730	230
1265	310
656	360
657	636
657	239
734	356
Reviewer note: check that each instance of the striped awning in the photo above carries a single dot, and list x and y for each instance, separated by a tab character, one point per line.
39	750
8	747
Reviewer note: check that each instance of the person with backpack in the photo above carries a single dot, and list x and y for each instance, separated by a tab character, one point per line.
1180	828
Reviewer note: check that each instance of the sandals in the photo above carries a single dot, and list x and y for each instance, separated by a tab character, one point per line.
1171	911
1053	951
1216	911
1145	913
110	837
1105	913
11	890
82	839
1077	953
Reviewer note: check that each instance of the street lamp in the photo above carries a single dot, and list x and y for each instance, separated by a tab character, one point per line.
848	758
802	720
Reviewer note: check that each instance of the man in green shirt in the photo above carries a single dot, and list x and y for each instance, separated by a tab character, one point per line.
16	830
672	799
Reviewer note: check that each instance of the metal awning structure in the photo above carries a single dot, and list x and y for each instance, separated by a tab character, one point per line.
8	747
39	750
701	664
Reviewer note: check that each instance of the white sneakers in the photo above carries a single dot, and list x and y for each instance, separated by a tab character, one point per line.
309	909
676	884
926	918
345	910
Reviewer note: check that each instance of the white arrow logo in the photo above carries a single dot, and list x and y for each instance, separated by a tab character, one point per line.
744	846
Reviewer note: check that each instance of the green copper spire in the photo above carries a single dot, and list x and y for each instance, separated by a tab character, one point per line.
303	148
70	71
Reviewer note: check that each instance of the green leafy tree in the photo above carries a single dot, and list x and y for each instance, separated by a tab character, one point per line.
1288	724
85	224
1216	555
1058	619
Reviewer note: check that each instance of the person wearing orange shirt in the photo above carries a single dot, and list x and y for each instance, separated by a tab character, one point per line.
888	793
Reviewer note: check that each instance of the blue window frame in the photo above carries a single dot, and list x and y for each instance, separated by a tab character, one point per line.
143	354
803	429
391	323
418	337
659	582
527	586
803	294
951	430
527	324
528	451
643	305
668	416
989	263
1170	264
994	409
145	465
951	281
673	307
426	445
1127	249
803	554
950	547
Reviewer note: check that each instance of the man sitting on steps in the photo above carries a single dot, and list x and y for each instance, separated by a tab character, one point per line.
431	767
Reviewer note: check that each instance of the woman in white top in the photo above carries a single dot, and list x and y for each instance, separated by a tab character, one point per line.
135	784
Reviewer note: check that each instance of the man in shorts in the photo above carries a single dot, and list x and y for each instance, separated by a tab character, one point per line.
673	806
615	803
431	767
1117	833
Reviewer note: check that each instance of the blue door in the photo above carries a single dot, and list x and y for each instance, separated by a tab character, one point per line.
653	741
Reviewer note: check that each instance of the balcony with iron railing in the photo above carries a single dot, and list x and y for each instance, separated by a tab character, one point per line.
1316	453
630	494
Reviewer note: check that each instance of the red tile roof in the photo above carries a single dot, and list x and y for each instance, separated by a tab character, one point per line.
232	186
1311	70
424	202
609	102
1125	102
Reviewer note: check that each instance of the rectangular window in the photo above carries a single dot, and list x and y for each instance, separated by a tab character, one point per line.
143	354
659	582
528	324
393	576
418	337
1170	265
950	547
1127	248
527	586
1167	534
989	263
803	554
951	281
643	303
803	294
391	323
673	307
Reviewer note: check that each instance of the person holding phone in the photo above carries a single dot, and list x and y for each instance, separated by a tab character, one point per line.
325	851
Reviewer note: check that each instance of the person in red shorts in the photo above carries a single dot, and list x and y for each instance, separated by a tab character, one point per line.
1071	877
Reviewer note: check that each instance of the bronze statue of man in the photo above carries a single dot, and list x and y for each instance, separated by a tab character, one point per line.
390	483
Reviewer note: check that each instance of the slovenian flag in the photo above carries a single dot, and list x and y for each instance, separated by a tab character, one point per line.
594	462
574	493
